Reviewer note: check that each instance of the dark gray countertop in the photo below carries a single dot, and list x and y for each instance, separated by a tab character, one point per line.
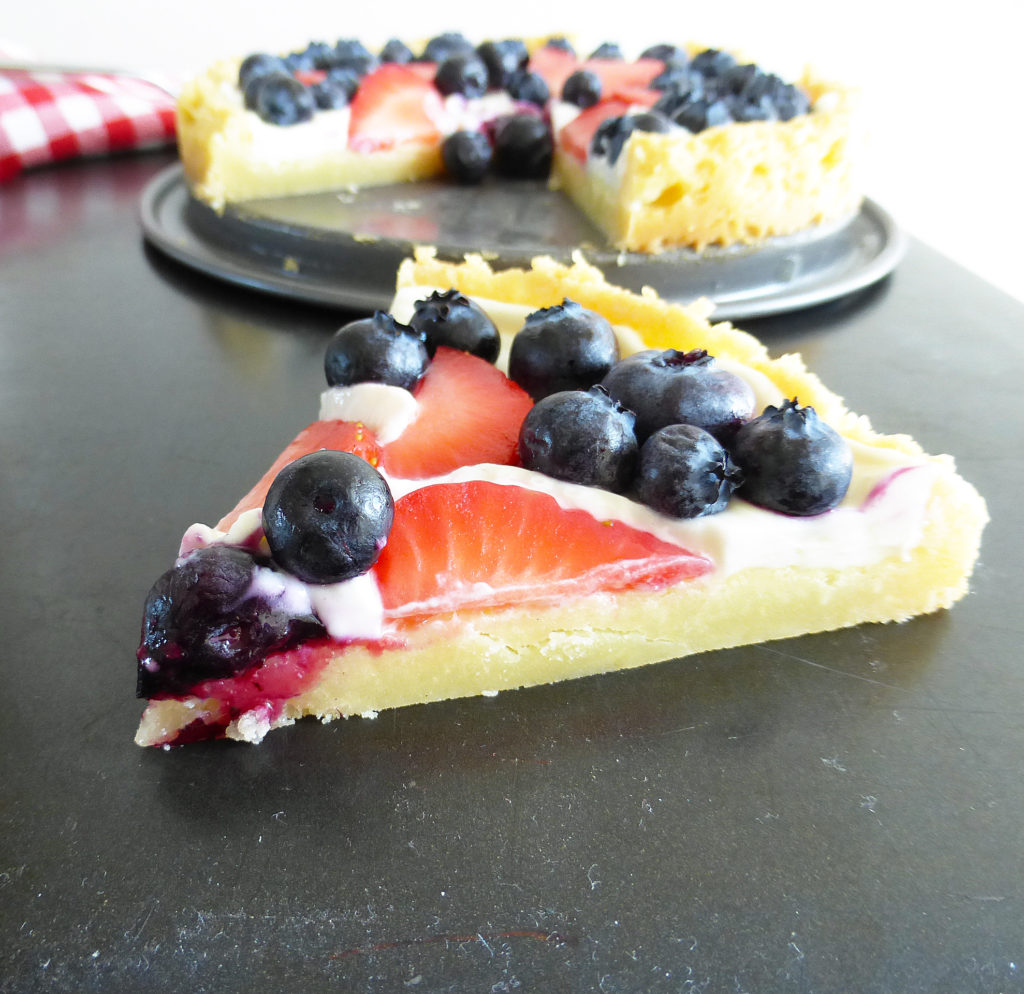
836	813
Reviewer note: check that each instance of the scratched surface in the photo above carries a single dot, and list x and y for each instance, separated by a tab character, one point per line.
828	814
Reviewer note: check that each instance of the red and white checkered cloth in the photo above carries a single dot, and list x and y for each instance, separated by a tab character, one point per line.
48	117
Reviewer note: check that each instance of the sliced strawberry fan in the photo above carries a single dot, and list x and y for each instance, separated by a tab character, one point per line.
460	546
470	412
394	106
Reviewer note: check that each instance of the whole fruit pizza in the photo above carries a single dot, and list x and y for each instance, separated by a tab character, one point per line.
526	476
674	146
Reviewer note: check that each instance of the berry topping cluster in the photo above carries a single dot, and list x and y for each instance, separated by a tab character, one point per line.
711	88
613	132
516	146
671	429
289	89
205	619
326	518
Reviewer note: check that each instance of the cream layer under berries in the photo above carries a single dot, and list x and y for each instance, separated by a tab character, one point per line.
446	527
676	147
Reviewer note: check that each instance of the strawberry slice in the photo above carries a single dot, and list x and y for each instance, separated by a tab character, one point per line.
425	70
576	136
457	546
554	65
470	412
394	105
629	79
345	436
636	96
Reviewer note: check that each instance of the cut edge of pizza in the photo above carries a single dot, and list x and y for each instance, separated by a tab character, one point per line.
496	576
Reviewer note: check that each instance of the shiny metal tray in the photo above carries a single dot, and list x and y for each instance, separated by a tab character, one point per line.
343	249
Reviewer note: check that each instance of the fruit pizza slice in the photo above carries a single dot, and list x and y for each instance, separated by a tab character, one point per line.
526	476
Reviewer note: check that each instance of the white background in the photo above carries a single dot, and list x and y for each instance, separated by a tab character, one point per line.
943	82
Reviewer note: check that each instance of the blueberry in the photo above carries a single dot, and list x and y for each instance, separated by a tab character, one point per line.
607	50
345	78
671	55
696	115
467	156
523	147
502	58
463	73
350	53
318	55
610	136
259	64
789	101
447	317
792	461
748	91
299	61
647	121
528	86
565	347
280	99
672	387
330	93
250	92
396	51
679	96
676	78
712	62
582	88
378	350
685	472
752	109
560	44
581	436
203	620
442	46
613	133
327	516
738	78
